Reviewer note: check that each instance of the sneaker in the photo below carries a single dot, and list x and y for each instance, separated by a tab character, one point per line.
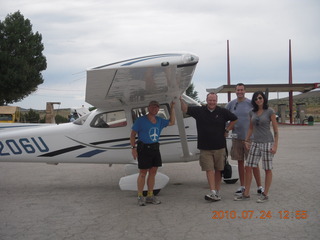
141	201
241	198
152	200
218	194
260	190
240	191
262	198
212	197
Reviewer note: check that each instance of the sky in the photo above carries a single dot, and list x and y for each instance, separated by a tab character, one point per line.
80	34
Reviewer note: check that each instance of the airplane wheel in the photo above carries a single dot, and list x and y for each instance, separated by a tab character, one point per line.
155	192
232	181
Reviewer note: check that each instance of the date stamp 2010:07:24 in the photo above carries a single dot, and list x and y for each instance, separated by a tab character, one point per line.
251	214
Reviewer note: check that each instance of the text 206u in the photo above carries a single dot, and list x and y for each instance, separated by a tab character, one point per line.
22	145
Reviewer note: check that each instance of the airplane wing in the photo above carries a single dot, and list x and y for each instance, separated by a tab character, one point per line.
137	81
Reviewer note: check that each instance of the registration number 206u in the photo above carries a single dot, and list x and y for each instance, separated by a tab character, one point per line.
22	145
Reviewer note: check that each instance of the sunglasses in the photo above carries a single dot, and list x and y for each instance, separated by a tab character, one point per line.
257	121
235	106
258	98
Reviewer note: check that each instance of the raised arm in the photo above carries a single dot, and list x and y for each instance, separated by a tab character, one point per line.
184	106
172	114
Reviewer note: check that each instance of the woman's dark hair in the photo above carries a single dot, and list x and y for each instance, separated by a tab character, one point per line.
253	101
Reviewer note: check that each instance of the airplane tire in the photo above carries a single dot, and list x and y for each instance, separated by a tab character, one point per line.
155	192
232	181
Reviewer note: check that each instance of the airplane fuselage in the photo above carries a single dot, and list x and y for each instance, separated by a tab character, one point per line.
74	143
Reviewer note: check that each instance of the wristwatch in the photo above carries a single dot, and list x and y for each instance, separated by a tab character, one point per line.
132	147
227	131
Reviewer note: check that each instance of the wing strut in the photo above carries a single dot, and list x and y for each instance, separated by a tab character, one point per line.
182	132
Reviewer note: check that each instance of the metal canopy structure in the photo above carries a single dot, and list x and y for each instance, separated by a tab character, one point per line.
297	87
290	87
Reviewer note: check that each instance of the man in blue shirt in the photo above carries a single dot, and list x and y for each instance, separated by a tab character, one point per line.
148	128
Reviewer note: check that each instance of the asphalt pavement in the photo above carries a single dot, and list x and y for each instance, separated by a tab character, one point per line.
83	201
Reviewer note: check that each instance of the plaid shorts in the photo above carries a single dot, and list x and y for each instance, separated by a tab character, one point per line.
257	151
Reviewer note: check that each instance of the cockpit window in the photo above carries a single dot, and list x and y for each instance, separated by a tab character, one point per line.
109	120
139	112
81	120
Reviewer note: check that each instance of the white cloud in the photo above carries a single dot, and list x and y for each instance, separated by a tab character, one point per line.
81	34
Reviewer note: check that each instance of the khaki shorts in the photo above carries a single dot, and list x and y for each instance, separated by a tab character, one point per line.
238	150
212	159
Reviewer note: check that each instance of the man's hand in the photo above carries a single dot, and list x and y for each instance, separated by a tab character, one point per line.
134	153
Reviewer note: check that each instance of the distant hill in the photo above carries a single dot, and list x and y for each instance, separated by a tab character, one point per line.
310	99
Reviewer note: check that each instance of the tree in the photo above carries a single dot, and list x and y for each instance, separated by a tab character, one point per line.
191	93
31	116
60	119
21	59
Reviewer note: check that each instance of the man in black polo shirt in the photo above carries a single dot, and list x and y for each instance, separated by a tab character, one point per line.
212	132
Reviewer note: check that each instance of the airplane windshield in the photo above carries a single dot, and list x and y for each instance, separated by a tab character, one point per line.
81	120
163	112
190	102
109	120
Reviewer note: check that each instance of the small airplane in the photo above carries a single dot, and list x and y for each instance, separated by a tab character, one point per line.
121	92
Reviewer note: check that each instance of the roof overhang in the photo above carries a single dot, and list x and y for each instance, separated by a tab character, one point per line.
8	109
297	87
